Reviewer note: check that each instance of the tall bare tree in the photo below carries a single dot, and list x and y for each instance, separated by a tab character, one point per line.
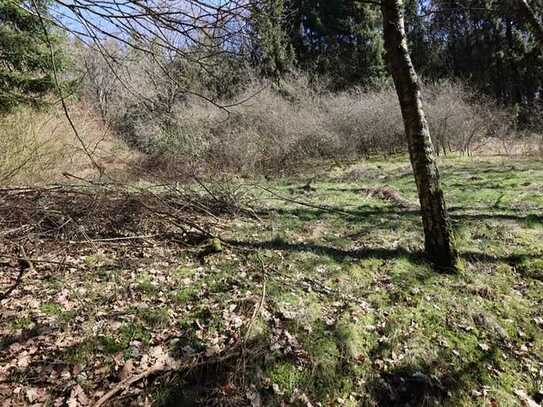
439	242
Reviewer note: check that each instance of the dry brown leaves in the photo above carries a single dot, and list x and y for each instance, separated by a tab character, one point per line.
99	304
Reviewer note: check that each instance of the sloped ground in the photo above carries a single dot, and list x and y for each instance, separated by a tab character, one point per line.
317	295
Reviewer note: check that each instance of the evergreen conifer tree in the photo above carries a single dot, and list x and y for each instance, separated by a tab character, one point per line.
26	66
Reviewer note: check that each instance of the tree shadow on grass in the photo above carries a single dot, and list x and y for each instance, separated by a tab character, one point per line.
337	254
455	213
432	382
343	255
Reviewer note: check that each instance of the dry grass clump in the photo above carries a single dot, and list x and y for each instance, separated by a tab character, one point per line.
38	147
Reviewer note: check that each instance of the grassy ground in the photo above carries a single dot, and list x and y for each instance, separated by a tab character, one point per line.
326	302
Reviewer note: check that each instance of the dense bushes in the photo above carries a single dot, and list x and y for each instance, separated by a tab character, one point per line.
276	125
462	121
274	129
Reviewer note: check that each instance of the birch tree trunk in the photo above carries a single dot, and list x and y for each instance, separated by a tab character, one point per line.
528	14
438	238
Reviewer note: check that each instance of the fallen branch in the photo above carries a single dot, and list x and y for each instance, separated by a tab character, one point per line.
129	381
302	203
257	309
116	239
24	264
23	228
33	260
164	368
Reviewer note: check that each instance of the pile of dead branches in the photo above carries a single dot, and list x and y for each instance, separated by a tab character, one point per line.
109	212
82	213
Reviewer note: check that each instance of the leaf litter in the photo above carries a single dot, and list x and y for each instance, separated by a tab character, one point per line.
109	282
123	292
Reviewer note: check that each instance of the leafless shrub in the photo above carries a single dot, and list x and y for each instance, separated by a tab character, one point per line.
275	129
526	143
366	122
462	121
271	132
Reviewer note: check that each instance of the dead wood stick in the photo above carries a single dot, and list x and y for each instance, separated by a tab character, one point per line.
161	368
15	230
126	383
33	260
302	203
22	190
259	306
68	175
116	239
24	263
256	311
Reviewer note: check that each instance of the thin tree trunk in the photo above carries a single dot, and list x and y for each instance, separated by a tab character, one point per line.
439	242
528	14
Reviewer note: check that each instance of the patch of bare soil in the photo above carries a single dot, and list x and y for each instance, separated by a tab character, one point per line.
387	193
361	174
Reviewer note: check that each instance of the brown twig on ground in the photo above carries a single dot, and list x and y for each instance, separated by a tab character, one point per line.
302	203
23	228
129	381
243	359
33	260
256	311
117	239
24	264
197	361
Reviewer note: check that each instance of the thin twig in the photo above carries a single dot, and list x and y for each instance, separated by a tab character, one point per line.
125	384
59	90
32	260
24	263
116	239
24	228
309	205
255	313
197	361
